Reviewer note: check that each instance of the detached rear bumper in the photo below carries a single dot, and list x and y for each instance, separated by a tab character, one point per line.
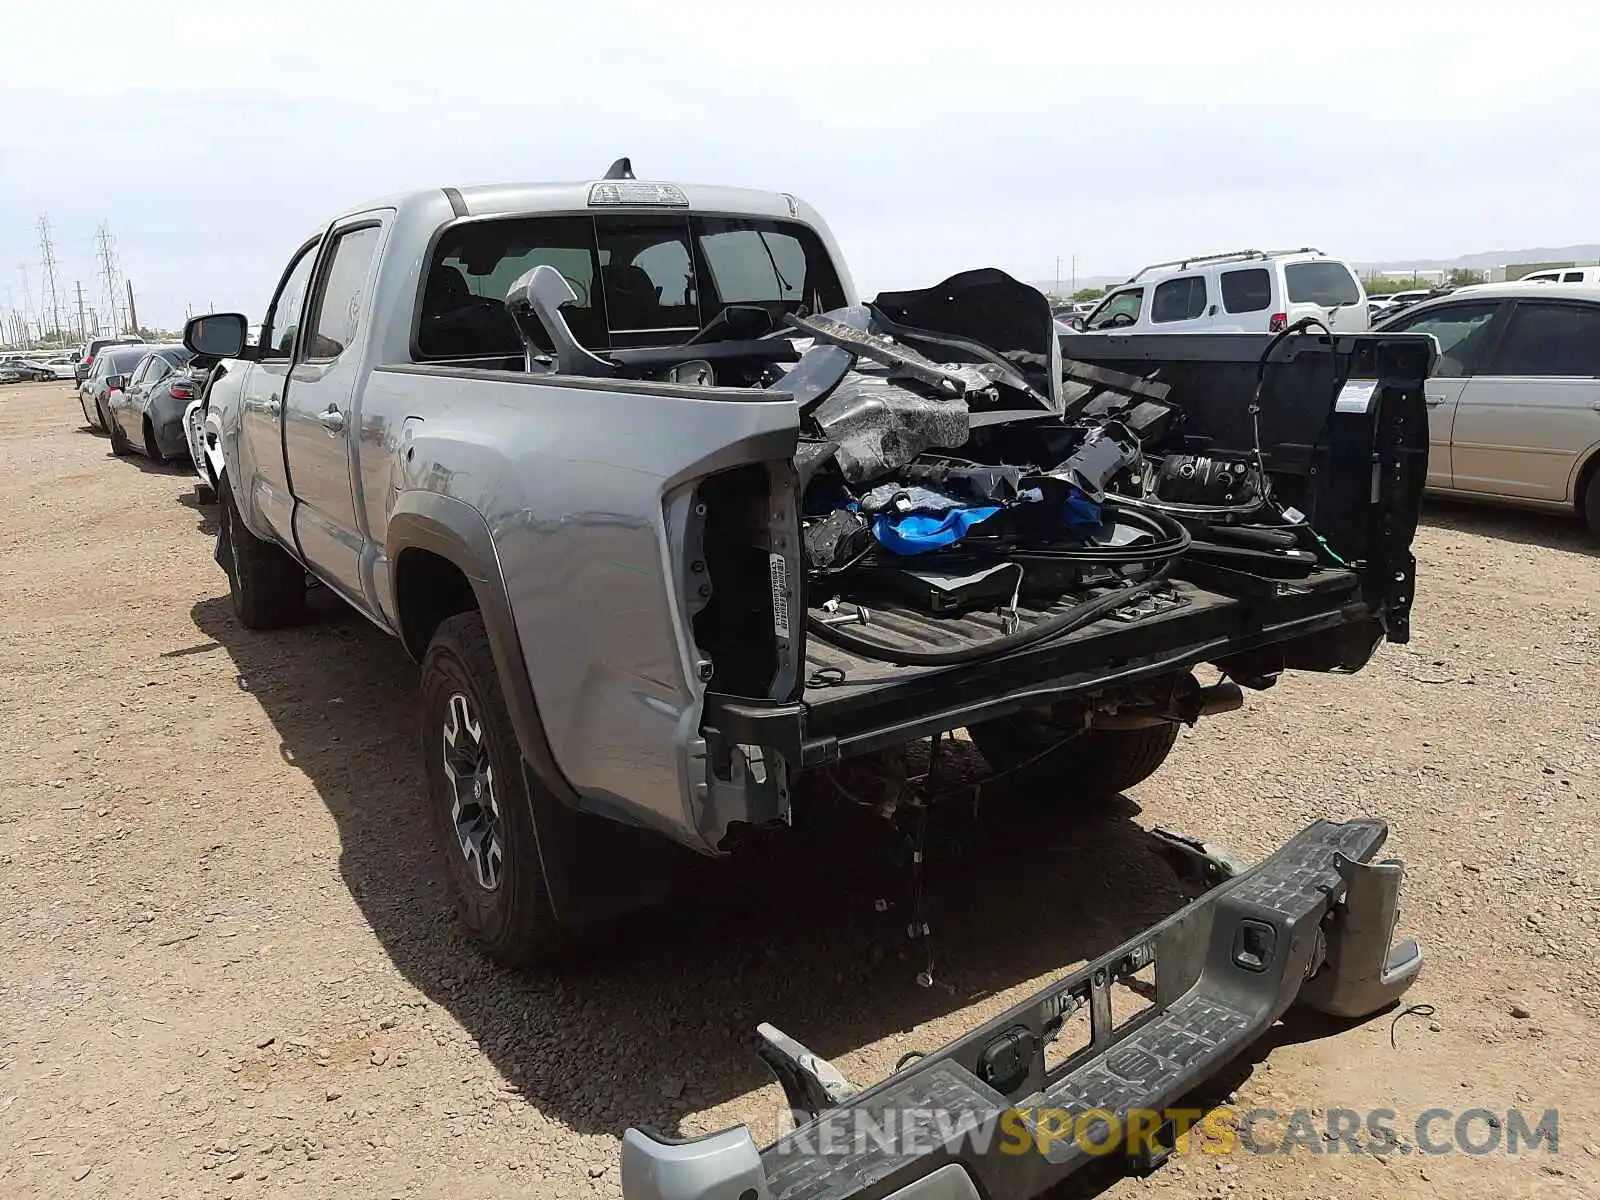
983	1117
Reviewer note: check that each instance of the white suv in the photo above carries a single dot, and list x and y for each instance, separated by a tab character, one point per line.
1589	275
1246	291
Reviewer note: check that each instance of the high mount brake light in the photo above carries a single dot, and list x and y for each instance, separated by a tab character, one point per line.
627	192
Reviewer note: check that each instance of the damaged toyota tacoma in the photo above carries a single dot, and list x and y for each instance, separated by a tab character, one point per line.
676	525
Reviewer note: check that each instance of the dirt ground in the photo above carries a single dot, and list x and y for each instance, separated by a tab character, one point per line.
229	967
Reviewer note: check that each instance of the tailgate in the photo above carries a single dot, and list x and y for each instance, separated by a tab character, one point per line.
983	1116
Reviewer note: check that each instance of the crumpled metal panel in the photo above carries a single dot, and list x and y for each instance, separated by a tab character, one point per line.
880	425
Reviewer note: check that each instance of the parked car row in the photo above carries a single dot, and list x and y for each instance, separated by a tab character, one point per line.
138	395
16	369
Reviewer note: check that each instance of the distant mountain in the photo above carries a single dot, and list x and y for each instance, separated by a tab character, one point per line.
1491	258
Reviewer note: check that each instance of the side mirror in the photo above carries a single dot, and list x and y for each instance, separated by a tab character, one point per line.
116	382
1077	323
221	335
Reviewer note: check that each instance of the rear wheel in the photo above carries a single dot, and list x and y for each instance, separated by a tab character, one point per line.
152	448
119	444
479	795
1092	764
1591	502
267	585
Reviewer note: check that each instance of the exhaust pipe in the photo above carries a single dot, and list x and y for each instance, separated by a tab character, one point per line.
1222	697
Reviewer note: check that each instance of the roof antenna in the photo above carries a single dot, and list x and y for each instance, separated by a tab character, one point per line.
621	169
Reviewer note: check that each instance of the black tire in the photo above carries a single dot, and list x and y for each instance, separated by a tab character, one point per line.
1095	764
119	444
1590	501
152	448
204	493
502	900
267	585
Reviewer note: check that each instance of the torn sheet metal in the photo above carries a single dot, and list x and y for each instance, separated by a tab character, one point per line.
880	425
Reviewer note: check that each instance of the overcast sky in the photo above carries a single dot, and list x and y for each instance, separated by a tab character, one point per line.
933	137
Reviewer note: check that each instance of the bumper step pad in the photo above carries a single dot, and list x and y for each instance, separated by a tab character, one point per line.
1312	922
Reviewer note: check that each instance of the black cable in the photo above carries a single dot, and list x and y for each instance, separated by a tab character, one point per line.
1174	540
1075	617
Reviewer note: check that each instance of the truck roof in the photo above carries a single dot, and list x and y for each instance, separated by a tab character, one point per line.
503	199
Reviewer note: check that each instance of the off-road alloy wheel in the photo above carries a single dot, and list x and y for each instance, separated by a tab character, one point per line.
1094	764
267	585
479	795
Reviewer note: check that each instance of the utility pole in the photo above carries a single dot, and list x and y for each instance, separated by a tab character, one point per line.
52	275
106	248
133	313
1058	276
1074	274
83	324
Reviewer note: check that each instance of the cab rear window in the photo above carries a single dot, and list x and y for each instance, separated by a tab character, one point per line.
1324	283
640	280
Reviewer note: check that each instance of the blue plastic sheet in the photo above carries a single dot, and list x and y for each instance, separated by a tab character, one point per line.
917	533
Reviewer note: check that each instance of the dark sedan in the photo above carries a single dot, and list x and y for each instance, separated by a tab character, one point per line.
147	414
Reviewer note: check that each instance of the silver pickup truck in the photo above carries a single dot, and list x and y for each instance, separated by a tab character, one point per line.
678	529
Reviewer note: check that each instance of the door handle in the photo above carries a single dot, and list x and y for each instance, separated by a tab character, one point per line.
1434	401
332	420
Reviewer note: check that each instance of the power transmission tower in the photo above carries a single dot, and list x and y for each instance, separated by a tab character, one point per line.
133	313
27	303
106	246
83	323
50	294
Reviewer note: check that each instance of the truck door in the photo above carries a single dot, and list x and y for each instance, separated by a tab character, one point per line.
261	400
319	422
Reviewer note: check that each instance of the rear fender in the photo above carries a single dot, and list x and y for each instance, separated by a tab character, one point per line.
639	863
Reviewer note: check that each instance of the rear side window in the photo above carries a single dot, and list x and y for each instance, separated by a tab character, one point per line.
1572	277
750	263
1246	291
1327	284
1181	299
1551	340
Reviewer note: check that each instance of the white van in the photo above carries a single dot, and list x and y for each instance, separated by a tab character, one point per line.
1589	275
1245	291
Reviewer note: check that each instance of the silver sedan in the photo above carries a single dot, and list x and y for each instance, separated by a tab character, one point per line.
1514	402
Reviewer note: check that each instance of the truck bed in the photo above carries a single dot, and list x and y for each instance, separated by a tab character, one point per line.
853	704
